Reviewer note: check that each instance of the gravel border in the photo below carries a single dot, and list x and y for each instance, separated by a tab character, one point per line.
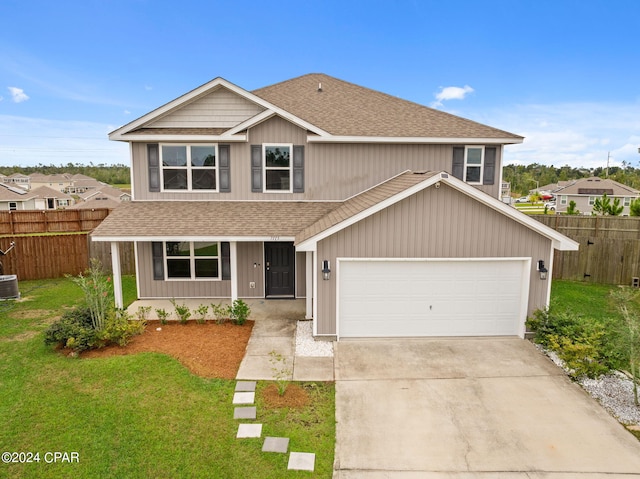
614	392
307	346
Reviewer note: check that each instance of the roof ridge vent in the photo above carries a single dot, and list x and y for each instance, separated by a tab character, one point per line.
319	86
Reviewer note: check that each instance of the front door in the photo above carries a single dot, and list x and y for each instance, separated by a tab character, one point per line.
279	269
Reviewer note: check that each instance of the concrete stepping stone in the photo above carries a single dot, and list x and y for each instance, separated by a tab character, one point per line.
246	386
244	413
249	430
244	398
275	444
302	461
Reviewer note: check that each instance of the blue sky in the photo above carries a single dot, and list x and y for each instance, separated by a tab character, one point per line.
564	73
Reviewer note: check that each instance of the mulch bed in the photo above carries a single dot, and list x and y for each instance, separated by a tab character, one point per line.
209	350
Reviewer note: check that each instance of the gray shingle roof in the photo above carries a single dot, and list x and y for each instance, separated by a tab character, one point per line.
298	219
595	183
346	109
211	218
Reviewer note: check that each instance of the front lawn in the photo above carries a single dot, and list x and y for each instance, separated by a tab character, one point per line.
142	415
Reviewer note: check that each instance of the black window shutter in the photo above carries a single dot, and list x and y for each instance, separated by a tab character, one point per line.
224	169
457	168
298	168
256	168
158	261
225	254
153	164
489	165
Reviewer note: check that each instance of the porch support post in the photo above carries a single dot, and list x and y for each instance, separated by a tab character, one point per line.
309	285
233	253
117	276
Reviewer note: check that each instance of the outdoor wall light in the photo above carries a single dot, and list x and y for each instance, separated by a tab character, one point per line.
543	271
326	272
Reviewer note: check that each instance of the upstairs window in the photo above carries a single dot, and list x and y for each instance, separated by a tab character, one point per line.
475	164
188	167
277	167
192	260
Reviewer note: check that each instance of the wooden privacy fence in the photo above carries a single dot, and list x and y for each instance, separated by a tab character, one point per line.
50	221
609	248
53	256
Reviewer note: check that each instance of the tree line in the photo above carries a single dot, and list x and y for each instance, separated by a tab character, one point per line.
111	174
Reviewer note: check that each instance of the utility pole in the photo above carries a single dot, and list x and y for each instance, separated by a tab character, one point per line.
608	157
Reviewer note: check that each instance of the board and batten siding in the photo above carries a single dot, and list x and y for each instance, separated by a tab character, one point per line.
331	171
218	109
250	269
434	223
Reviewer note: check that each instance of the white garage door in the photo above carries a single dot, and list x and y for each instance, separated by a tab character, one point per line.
469	297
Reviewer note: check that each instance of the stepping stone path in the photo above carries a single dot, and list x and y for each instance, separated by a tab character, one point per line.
245	393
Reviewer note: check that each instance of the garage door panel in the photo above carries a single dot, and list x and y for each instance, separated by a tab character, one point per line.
430	298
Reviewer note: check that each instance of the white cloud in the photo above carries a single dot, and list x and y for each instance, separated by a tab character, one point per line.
451	93
17	94
574	134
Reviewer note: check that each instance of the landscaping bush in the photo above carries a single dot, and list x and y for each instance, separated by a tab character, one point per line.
97	323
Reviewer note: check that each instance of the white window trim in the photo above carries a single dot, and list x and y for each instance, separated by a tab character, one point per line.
626	201
192	261
189	168
592	200
289	169
466	154
563	199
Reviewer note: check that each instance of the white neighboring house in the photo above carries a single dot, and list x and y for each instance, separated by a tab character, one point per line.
13	198
585	191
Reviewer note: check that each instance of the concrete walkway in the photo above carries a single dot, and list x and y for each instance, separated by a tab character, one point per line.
469	408
279	335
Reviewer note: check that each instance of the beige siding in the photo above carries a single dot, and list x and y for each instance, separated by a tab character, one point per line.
250	254
250	269
219	109
332	171
150	288
435	223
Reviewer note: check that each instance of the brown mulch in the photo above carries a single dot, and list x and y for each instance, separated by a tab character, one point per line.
209	350
294	396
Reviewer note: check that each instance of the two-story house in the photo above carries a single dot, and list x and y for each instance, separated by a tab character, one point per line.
383	214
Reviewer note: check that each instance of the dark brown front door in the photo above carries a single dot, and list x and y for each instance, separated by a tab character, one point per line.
280	269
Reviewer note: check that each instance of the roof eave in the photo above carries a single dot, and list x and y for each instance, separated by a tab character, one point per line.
191	138
239	239
413	139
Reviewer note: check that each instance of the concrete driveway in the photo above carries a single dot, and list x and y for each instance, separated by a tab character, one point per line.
469	408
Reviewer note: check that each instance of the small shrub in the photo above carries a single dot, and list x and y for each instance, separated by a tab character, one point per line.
98	292
119	329
143	312
201	311
73	330
281	371
221	312
162	315
240	312
182	311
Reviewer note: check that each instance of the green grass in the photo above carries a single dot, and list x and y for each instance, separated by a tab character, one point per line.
584	299
134	416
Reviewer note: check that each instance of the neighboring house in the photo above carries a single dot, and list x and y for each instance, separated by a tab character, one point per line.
17	179
82	184
96	202
59	182
47	198
105	191
585	191
14	198
384	215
